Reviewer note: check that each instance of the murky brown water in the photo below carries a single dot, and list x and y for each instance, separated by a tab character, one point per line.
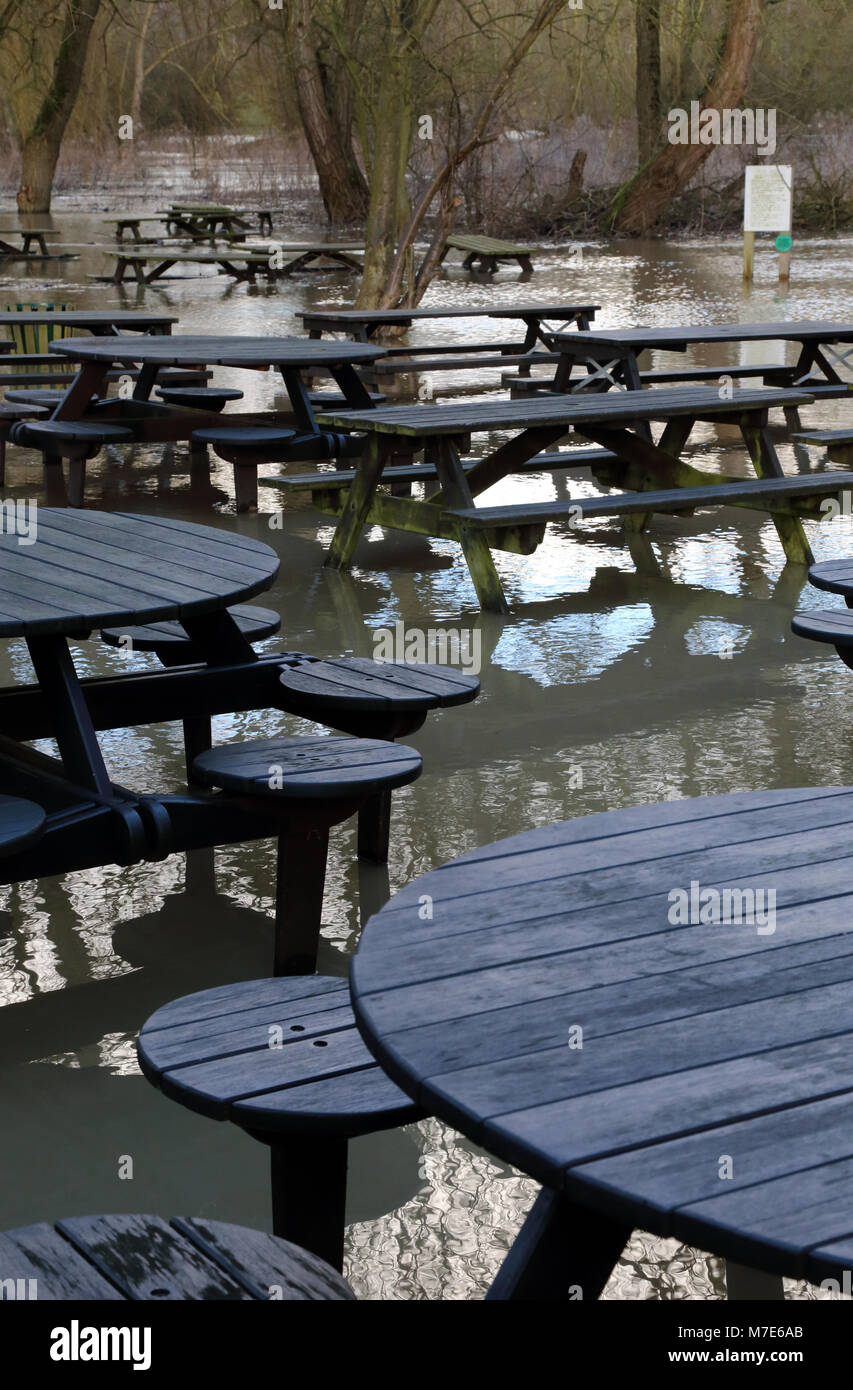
602	689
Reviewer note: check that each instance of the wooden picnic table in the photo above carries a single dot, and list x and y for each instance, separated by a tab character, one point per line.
202	220
25	252
84	571
294	358
132	258
543	324
565	1006
488	252
609	357
617	423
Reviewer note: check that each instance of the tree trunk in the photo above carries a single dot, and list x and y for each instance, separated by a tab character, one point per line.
648	78
393	122
42	143
139	70
651	192
342	185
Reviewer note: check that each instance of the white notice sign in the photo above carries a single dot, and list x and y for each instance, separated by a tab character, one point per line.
768	198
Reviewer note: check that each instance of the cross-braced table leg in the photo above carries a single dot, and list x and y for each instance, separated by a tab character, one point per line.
563	1251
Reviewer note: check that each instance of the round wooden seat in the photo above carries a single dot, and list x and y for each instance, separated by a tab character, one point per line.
307	785
834	576
336	400
283	1059
832	625
53	432
169	639
21	824
360	686
32	396
246	440
113	1258
21	411
308	769
199	397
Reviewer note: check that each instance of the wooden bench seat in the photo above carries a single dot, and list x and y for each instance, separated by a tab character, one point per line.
764	492
828	437
833	625
398	366
833	576
333	479
663	376
283	1059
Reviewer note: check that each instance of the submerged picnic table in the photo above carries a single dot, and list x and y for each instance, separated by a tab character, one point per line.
543	324
87	570
487	253
156	421
654	1058
610	357
25	252
201	220
657	475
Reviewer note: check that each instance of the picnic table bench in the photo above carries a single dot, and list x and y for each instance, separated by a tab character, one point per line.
573	1009
24	252
487	252
616	423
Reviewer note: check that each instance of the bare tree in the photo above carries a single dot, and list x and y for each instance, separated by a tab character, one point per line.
42	141
642	203
324	97
648	78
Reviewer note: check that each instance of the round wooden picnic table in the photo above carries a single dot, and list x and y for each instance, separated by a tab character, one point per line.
650	1012
290	356
80	571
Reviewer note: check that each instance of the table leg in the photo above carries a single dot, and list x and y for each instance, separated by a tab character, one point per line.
475	547
88	382
761	450
74	731
309	1188
745	1284
357	505
355	392
563	1251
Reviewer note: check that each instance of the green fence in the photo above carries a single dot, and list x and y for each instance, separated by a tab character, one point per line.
33	338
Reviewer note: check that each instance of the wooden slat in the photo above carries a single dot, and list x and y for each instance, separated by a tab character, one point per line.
147	1259
60	1272
264	1263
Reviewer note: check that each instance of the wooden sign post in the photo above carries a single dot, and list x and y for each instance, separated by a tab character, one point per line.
768	207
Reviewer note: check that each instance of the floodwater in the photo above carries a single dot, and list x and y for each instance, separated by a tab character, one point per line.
603	688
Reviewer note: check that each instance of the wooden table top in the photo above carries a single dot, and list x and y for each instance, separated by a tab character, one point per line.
181	349
91	318
675	336
581	1001
352	317
659	404
89	570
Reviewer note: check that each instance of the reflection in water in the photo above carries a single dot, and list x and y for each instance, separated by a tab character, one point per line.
617	679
